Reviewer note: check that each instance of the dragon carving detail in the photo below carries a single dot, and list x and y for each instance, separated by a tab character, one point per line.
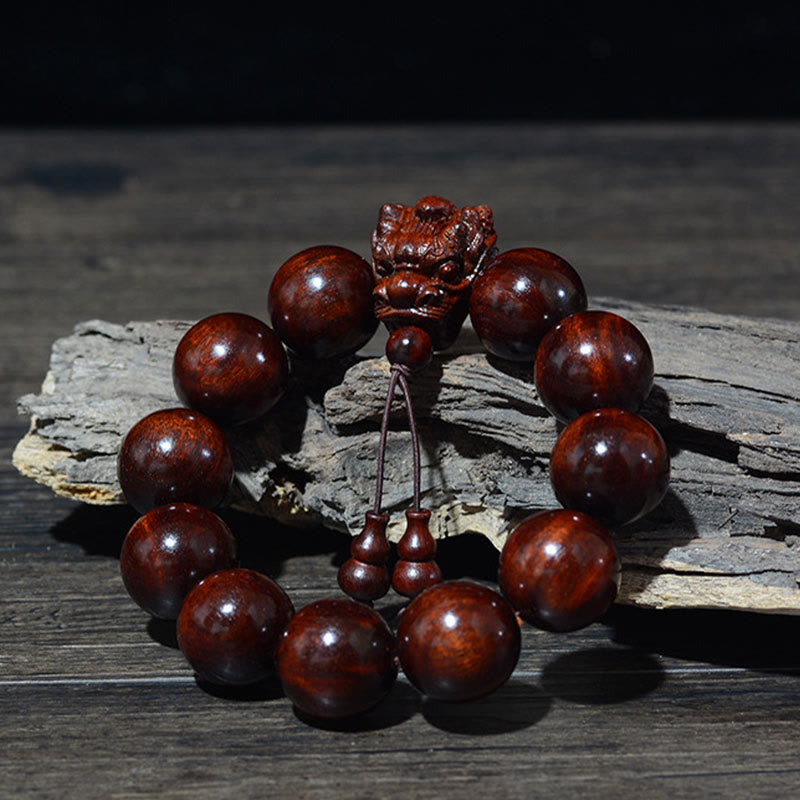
424	260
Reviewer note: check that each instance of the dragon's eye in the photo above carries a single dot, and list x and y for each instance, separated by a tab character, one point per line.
449	272
384	268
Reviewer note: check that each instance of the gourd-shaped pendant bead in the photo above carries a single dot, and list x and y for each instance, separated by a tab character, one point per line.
365	576
416	570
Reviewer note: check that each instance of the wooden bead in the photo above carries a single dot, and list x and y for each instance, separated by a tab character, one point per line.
320	302
175	455
416	569
410	346
170	549
336	658
593	359
229	626
612	464
560	570
231	367
458	641
365	576
519	296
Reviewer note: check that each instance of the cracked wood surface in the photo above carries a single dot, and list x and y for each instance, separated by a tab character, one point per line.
725	397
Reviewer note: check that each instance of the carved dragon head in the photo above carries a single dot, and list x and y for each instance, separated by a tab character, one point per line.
424	259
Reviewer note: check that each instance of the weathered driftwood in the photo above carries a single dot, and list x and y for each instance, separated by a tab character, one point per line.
726	399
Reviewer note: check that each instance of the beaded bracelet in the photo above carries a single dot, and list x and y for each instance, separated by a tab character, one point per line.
432	264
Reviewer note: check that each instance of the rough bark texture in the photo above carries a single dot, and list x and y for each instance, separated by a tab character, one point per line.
726	399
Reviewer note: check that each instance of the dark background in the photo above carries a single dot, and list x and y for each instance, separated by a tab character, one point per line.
88	65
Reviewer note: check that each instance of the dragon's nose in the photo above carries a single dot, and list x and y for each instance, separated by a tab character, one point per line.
404	290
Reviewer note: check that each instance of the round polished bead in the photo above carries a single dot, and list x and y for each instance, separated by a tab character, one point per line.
410	346
458	641
593	359
612	464
560	570
320	302
336	658
231	367
229	626
519	296
175	455
170	549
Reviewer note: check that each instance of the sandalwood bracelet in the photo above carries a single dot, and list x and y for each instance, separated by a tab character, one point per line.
432	264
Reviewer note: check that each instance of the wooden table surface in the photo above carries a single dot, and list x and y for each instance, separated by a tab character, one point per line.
98	702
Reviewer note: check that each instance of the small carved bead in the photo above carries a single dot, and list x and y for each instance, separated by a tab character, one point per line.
611	464
365	576
168	550
409	578
231	367
320	302
229	626
336	658
593	359
411	347
175	455
519	296
458	641
416	569
560	570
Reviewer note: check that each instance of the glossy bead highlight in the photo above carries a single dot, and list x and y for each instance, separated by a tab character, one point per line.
320	302
336	658
229	626
175	455
611	464
458	641
231	367
410	346
519	296
590	360
560	570
168	550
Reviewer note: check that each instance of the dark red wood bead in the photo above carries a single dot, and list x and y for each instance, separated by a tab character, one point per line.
611	464
230	624
365	576
458	641
231	367
320	302
336	658
170	549
519	296
593	359
416	569
175	455
560	570
410	346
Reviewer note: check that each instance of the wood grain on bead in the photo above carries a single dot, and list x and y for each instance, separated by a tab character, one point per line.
231	367
519	296
365	575
336	658
320	302
168	550
229	626
593	359
458	641
410	346
611	464
416	568
560	570
175	455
